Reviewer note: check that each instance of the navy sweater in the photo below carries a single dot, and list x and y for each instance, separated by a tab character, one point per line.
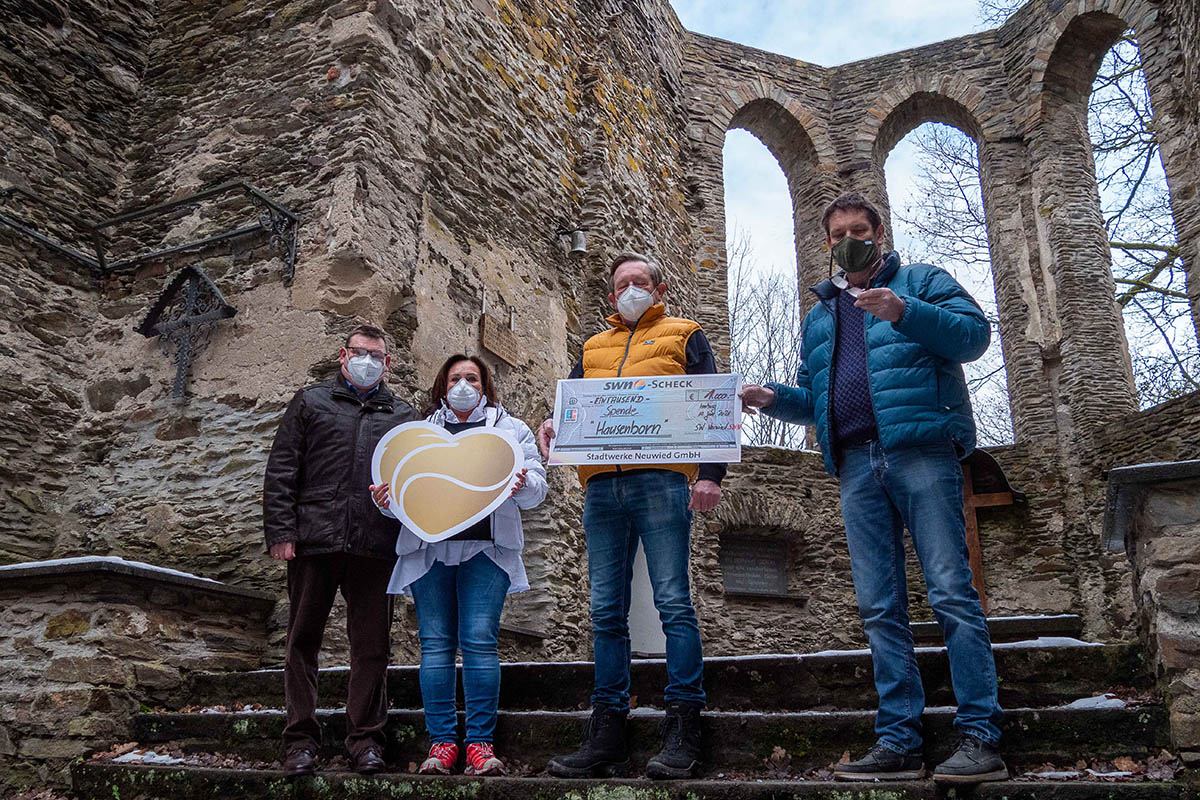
853	417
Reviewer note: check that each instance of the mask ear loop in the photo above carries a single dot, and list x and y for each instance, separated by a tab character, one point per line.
878	267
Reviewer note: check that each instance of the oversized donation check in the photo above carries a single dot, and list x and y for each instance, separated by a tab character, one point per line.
656	419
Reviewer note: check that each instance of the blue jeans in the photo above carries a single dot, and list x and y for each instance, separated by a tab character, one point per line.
651	505
921	488
460	607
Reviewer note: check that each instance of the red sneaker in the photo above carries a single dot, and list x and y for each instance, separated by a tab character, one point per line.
442	758
482	761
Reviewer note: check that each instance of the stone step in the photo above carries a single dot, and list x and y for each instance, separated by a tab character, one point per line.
107	781
738	741
1031	675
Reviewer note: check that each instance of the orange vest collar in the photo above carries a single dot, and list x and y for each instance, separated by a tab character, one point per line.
654	312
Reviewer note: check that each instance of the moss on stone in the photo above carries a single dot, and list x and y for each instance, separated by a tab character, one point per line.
402	734
71	622
795	743
616	793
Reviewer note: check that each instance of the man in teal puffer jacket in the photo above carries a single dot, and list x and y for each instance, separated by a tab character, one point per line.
882	381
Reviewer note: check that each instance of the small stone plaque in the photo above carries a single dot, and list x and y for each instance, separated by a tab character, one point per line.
495	335
754	567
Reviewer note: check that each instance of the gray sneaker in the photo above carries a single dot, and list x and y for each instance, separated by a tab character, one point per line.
881	763
974	761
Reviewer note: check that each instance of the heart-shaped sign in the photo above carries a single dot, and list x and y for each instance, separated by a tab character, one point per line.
441	483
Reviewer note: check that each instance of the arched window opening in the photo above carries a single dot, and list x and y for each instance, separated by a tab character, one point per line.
1147	263
763	290
938	219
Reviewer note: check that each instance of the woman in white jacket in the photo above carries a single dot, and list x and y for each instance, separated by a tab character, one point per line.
458	585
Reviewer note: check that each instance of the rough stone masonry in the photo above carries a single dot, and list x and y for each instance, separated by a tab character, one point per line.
430	151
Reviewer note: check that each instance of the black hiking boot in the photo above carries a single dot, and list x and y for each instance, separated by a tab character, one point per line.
680	756
881	763
974	761
604	753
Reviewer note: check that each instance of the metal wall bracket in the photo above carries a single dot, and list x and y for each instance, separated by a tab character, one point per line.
272	218
183	318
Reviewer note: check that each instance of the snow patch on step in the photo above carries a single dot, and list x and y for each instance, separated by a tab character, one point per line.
147	757
1055	775
1099	701
1047	641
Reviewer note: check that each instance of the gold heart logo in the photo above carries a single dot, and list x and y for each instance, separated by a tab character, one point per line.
441	483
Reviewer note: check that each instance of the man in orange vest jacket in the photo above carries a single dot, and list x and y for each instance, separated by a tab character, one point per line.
653	503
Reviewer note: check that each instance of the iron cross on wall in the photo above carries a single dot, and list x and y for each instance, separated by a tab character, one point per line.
184	317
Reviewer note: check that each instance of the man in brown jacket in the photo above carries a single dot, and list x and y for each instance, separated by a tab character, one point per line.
319	518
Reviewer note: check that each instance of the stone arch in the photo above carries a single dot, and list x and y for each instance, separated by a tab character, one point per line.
798	139
917	99
802	148
1072	46
908	104
791	115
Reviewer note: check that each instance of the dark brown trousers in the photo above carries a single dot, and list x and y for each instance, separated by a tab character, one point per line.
313	583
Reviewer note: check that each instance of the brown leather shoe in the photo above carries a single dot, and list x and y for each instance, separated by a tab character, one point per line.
301	761
369	761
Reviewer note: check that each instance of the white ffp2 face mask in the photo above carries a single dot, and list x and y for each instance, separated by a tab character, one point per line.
364	370
634	302
463	396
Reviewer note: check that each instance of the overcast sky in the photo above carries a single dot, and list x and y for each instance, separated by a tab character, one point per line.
825	33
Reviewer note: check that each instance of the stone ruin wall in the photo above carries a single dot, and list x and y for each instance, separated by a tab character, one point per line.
60	132
430	153
1020	91
371	121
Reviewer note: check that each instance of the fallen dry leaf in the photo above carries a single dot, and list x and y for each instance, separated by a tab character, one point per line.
1162	767
779	758
1126	764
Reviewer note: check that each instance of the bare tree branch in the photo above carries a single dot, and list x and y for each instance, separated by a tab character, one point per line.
765	325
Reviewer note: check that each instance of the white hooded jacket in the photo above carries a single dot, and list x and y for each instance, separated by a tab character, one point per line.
416	555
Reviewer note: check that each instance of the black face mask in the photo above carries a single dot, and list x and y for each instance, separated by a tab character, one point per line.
854	255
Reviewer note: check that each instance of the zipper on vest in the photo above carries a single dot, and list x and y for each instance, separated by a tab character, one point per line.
628	344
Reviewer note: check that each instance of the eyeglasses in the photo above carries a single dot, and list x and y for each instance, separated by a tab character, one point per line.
359	352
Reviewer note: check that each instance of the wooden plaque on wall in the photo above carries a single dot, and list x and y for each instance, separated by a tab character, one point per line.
495	336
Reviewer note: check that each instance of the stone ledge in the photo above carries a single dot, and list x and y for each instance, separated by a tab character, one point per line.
1012	629
91	640
1125	486
91	566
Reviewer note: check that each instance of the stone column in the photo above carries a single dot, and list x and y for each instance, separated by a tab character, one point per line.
1096	379
711	262
1029	325
812	190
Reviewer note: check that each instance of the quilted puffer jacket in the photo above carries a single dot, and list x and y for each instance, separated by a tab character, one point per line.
918	390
